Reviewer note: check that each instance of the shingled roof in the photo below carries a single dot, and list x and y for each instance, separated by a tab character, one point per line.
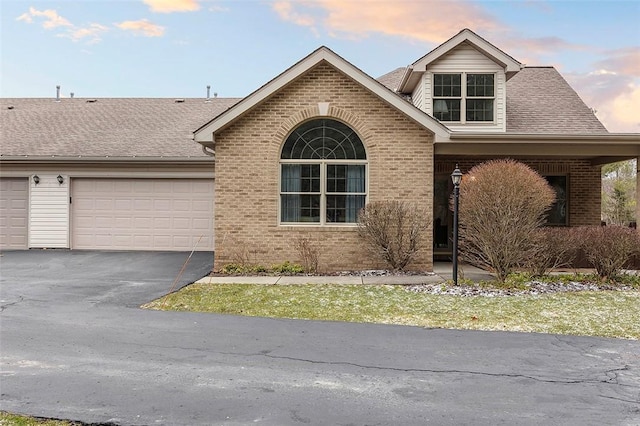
539	100
104	127
392	79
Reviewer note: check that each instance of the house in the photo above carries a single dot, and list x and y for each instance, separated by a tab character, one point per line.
296	159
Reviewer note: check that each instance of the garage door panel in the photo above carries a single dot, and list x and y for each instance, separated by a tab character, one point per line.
200	206
163	204
14	193
143	214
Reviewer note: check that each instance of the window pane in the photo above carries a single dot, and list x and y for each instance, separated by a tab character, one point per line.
446	109
480	85
447	85
557	215
300	208
344	208
300	178
345	178
479	109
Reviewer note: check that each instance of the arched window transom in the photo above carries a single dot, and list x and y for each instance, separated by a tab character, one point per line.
323	174
323	139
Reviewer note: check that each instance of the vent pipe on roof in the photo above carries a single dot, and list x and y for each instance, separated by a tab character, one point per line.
71	95
215	94
208	94
58	93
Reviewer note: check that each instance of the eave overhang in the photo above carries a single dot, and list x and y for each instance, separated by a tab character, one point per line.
205	135
599	149
41	159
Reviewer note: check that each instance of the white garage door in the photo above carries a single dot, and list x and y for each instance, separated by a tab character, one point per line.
13	213
142	214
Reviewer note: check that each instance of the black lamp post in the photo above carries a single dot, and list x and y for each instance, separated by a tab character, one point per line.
456	178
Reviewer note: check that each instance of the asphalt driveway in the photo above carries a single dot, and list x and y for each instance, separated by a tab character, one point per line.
74	345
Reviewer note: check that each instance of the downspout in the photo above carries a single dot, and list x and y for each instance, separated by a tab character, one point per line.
210	151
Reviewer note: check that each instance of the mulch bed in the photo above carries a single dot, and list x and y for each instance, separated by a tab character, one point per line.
531	288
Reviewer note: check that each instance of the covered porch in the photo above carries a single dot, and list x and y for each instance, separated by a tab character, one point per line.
570	163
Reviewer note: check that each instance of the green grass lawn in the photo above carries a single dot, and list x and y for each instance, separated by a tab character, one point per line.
601	313
8	419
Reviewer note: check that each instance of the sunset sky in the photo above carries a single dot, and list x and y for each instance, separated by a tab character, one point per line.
175	48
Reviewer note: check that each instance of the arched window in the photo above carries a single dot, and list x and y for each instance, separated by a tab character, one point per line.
323	174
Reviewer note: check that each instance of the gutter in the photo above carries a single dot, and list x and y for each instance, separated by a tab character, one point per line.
103	160
405	78
210	148
626	138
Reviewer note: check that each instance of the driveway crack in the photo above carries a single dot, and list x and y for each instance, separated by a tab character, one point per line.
612	376
5	306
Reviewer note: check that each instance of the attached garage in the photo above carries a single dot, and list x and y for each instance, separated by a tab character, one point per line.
142	214
14	213
106	174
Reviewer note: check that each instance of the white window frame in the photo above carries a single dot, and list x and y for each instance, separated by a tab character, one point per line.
323	190
463	96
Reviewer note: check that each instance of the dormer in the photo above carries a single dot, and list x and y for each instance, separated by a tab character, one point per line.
462	83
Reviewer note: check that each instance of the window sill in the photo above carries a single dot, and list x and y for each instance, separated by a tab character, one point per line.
347	227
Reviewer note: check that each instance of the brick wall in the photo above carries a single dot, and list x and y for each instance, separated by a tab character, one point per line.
399	151
584	182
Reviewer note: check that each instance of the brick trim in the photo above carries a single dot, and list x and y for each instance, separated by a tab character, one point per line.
350	119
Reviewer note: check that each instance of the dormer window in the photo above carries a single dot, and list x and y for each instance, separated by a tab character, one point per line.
476	97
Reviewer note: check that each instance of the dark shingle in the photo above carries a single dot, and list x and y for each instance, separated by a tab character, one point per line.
539	100
122	127
392	79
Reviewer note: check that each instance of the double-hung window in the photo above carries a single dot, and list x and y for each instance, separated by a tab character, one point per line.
323	174
472	101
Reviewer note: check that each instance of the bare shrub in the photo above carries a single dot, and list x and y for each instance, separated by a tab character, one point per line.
502	205
309	253
608	248
240	253
393	231
553	248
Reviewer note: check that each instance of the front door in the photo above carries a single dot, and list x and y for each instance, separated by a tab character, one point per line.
442	216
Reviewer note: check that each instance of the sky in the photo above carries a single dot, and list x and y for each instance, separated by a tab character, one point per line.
175	48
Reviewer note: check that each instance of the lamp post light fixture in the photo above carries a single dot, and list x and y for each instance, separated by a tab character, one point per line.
60	179
456	178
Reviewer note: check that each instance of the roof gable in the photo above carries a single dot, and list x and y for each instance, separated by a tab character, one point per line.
414	71
205	134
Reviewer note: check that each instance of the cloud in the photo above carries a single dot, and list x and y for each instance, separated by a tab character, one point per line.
142	27
615	97
218	8
284	9
431	21
538	46
622	61
51	18
91	33
170	6
613	89
621	114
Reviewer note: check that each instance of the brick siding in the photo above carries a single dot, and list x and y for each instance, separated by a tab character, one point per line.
399	152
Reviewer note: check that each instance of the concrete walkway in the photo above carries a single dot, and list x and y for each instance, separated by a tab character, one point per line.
442	271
